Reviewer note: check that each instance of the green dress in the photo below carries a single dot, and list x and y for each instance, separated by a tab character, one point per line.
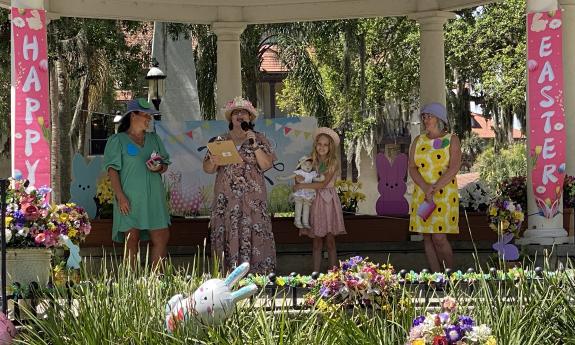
143	188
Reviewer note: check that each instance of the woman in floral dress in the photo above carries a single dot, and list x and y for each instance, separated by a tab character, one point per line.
434	161
241	229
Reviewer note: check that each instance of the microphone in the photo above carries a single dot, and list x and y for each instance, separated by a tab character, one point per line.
246	127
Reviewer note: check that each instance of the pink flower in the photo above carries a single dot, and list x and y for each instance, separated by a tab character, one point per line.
40	238
30	212
449	304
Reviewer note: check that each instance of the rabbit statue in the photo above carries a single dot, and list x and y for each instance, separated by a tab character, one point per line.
211	303
84	182
391	185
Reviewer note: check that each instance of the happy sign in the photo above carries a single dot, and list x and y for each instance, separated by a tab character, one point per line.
30	97
546	109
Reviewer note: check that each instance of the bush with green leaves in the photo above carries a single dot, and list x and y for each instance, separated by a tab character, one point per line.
495	167
125	306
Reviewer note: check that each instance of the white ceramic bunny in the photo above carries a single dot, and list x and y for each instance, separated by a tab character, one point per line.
211	303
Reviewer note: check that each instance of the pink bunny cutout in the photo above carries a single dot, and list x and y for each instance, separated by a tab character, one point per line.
391	185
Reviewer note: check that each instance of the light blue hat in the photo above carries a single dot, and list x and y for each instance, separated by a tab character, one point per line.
140	104
436	109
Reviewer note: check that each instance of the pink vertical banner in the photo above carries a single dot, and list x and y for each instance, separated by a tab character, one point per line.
546	109
30	97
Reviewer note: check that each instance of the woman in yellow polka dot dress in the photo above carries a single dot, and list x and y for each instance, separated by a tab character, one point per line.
434	160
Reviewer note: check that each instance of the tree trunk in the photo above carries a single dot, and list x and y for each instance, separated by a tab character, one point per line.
78	119
55	163
64	128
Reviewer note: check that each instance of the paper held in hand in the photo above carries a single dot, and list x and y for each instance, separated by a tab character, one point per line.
226	151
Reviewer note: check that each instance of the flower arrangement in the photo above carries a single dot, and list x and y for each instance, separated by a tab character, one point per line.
515	189
356	281
349	194
505	216
32	222
446	328
569	192
104	197
475	197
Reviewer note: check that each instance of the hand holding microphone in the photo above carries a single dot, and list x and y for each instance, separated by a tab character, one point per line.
246	127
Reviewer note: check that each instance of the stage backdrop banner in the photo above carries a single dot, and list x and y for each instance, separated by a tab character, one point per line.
190	189
546	109
30	97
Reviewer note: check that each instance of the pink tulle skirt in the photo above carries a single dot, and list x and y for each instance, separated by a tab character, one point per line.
326	216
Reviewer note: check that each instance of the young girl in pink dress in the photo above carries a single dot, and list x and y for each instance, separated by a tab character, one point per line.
326	216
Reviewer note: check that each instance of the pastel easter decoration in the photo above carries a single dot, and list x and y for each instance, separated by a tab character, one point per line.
391	185
84	182
74	258
211	304
7	330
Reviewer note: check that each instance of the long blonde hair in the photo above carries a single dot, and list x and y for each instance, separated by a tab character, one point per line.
332	160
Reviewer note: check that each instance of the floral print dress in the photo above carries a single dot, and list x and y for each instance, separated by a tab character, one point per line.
241	228
432	160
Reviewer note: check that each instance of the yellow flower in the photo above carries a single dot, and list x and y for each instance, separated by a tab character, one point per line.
492	211
40	121
72	233
63	217
505	224
7	221
419	341
491	341
538	150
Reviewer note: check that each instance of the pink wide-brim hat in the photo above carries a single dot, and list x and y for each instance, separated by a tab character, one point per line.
327	131
239	103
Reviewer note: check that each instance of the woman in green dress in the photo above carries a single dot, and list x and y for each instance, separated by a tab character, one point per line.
140	207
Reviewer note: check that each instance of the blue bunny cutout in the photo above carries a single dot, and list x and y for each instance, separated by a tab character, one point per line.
84	182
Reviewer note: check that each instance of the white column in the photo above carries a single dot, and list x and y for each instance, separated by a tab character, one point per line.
229	76
541	230
432	55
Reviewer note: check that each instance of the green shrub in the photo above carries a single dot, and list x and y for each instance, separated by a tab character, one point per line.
495	167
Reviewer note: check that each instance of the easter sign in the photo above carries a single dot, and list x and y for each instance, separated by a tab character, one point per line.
30	98
546	109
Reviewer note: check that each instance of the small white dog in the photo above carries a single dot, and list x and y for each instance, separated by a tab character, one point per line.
303	197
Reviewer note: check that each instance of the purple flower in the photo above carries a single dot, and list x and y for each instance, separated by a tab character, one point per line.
443	317
324	291
466	323
453	333
418	320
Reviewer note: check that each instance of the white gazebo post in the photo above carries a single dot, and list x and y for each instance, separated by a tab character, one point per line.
432	55
542	230
229	76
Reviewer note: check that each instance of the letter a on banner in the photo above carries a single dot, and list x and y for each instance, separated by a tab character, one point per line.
30	111
546	110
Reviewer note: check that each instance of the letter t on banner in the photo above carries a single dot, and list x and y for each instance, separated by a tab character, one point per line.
30	101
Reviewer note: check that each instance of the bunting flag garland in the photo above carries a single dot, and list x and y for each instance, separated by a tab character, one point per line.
278	126
297	132
206	125
269	122
287	130
306	135
190	134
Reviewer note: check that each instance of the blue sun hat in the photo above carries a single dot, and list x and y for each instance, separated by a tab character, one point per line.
436	109
141	104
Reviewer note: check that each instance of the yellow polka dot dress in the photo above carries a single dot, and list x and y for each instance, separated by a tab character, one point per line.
432	160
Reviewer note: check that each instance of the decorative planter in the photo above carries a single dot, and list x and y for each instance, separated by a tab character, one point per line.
25	265
568	222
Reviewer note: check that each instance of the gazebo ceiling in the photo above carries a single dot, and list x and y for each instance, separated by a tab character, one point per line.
247	11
